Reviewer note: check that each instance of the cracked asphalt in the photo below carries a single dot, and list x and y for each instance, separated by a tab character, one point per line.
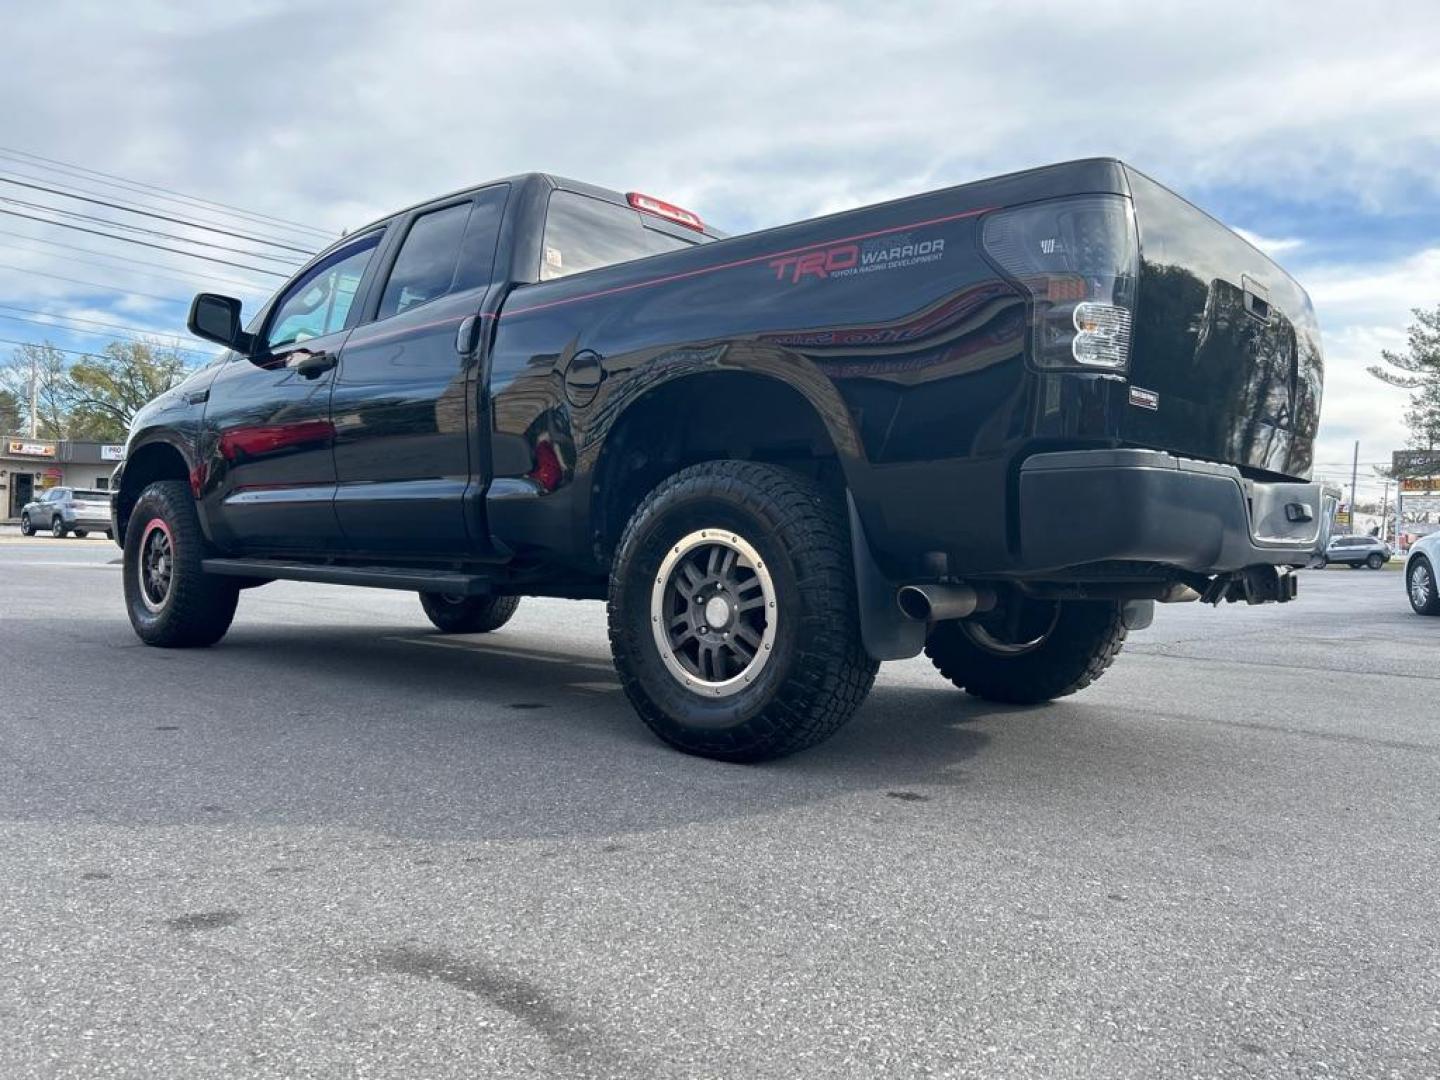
340	845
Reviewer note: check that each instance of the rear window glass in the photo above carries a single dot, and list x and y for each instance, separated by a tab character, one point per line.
92	496
446	251
582	234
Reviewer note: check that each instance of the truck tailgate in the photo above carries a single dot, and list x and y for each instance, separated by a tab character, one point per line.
1226	362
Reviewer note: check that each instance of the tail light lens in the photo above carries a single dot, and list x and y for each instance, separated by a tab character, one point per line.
1078	260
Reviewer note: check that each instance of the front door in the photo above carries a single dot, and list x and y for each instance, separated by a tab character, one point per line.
406	394
272	488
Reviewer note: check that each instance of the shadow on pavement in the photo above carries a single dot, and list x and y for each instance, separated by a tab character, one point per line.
415	733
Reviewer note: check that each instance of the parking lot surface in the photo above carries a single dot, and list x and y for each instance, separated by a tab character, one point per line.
340	844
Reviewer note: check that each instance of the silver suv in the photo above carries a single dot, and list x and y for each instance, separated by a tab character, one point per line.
1358	551
65	510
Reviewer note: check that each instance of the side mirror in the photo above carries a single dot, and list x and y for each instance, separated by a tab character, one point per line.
217	318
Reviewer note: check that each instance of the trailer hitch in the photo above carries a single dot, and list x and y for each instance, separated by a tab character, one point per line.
1260	584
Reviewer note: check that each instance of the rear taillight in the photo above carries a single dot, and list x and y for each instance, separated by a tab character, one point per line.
1077	259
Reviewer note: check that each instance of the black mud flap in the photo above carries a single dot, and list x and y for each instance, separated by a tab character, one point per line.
884	629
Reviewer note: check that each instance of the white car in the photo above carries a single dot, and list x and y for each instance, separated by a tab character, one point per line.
1420	575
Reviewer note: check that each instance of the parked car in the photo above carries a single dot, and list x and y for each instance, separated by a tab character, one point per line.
1421	583
1358	551
64	510
995	422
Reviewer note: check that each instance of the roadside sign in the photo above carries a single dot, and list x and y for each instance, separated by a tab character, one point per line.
1409	462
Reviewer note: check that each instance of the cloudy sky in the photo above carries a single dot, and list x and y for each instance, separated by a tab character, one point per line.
1314	127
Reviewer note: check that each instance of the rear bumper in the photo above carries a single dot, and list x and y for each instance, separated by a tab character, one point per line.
1093	506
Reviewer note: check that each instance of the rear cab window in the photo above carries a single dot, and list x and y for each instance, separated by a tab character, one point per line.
584	233
448	250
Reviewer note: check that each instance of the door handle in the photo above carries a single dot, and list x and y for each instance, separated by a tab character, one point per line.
467	335
312	364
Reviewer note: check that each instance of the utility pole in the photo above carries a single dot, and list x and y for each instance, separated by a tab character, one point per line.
1354	476
1384	512
34	399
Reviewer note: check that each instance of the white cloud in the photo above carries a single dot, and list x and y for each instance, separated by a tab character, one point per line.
1274	247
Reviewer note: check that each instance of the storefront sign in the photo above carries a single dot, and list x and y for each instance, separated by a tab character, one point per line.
31	449
112	453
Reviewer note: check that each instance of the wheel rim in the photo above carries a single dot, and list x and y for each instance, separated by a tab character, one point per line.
57	528
712	609
25	527
1420	585
155	569
1030	639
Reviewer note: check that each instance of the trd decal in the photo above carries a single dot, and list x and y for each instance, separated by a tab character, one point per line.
847	260
1144	399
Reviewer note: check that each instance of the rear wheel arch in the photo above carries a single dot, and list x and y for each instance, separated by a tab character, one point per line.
709	415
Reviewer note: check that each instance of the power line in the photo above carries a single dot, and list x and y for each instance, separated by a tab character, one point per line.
70	188
193	277
93	284
146	243
145	230
46	345
139	336
92	322
112	180
307	252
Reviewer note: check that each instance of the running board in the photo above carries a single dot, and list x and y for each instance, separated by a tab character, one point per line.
454	582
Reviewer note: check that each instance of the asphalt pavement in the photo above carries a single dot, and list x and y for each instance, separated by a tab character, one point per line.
340	844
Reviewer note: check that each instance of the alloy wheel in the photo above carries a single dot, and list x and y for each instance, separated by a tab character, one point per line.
712	609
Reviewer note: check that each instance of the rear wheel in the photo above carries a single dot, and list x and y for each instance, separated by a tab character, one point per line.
171	601
1422	587
27	527
1375	561
468	614
1045	650
57	528
82	533
733	617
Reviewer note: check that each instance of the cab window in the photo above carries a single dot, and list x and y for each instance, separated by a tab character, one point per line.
320	302
447	250
582	234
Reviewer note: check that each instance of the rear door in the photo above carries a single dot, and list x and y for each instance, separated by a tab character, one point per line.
273	491
407	397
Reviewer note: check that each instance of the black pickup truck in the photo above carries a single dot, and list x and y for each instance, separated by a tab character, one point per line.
997	422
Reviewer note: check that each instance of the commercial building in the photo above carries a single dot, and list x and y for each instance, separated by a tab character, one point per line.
32	466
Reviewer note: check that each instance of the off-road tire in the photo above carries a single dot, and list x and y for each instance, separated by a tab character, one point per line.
198	607
1086	638
468	614
57	528
816	674
27	527
1431	603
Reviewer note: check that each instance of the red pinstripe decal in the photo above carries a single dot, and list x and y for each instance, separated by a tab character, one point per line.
745	262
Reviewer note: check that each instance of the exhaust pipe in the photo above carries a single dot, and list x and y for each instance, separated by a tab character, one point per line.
940	603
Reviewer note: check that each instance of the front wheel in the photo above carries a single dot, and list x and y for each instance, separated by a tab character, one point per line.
27	527
468	614
1043	650
732	612
1421	586
171	601
58	529
1375	561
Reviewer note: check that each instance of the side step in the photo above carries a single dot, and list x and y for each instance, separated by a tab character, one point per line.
455	582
